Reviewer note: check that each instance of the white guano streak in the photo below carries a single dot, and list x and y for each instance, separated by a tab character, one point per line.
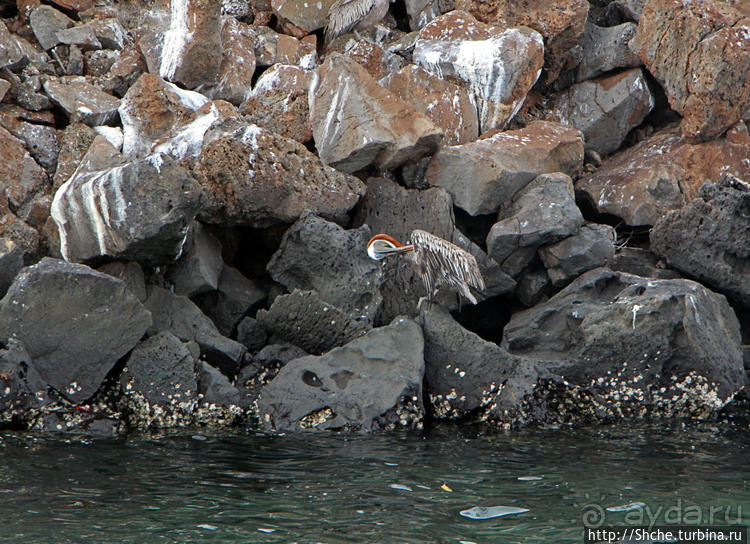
175	39
188	141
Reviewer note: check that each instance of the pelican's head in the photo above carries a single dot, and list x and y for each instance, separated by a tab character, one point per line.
381	246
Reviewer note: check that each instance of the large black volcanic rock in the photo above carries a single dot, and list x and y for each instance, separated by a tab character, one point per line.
317	254
709	239
618	345
74	322
372	383
139	210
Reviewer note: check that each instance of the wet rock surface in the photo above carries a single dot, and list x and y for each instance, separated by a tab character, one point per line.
188	187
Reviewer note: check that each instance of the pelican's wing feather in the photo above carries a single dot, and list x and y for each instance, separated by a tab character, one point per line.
441	262
344	16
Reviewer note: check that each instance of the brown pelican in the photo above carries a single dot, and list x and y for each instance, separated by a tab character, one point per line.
346	15
438	262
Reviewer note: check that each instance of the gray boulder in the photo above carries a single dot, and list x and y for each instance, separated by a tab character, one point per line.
606	48
464	374
709	238
482	175
215	388
373	383
593	246
11	262
531	286
75	323
605	109
542	213
81	101
623	346
129	272
320	255
180	316
302	318
641	262
21	387
200	264
251	334
158	383
46	22
262	368
138	211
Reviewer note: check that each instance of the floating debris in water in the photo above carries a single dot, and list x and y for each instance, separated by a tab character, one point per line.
400	486
529	478
422	486
487	512
445	487
626	507
266	530
199	437
207	527
386	463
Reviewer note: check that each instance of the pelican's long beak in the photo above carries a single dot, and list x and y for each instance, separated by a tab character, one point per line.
386	252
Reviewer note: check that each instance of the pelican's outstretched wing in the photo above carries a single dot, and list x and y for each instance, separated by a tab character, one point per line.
440	262
344	16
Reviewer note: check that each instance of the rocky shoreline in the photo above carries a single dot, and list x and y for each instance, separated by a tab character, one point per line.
188	188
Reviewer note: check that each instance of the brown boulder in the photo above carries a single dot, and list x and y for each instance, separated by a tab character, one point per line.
446	103
664	172
191	52
152	107
308	15
561	23
21	177
482	175
499	65
700	54
234	81
278	102
357	123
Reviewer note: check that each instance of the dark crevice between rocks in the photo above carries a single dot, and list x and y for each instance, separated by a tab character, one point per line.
743	316
259	71
72	13
488	318
61	118
249	249
475	227
627	236
8	11
659	117
398	10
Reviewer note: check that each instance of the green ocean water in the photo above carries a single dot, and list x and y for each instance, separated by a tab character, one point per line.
245	487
